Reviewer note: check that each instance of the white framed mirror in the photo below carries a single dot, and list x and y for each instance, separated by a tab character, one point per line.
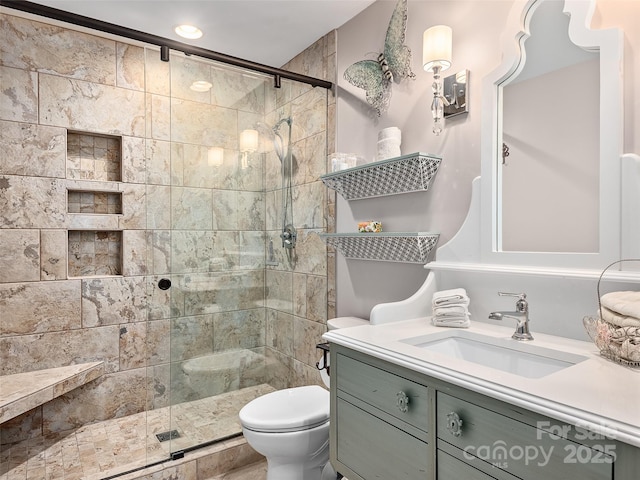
610	216
550	169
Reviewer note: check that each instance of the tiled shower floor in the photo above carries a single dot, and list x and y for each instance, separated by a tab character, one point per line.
114	446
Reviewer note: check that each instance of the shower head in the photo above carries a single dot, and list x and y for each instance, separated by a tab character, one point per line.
273	134
278	145
287	120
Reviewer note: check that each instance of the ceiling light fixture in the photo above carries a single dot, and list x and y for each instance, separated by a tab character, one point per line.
188	31
201	86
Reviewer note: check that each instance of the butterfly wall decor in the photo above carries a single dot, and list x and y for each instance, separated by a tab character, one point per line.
394	63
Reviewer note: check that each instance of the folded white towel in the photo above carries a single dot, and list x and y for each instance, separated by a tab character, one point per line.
450	310
625	303
455	296
461	321
617	319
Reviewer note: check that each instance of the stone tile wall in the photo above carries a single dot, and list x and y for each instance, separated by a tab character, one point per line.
201	226
295	323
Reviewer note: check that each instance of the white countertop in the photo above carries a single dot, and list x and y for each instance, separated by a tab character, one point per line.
596	394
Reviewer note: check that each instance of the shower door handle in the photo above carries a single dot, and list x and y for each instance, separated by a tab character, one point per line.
164	284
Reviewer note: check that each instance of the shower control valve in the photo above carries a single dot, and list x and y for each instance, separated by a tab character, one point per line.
289	236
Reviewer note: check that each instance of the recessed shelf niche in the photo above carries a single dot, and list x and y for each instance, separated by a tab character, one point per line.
80	201
94	253
94	157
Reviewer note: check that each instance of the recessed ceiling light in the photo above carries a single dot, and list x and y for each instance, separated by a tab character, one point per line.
201	86
188	31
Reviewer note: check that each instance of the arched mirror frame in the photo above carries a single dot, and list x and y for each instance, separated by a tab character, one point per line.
483	219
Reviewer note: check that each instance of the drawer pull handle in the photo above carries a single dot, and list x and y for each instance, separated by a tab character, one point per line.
454	424
402	402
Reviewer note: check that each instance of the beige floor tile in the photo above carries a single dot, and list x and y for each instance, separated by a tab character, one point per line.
115	446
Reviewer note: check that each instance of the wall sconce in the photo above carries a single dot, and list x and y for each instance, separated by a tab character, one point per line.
215	156
436	57
248	144
455	92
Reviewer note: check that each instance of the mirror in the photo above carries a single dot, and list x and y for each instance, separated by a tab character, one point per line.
607	210
549	173
612	228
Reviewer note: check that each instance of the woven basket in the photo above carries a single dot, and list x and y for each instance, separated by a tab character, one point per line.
620	344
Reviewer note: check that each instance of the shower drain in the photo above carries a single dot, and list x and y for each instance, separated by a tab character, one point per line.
170	435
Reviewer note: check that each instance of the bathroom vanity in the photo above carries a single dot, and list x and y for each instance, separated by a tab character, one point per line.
402	409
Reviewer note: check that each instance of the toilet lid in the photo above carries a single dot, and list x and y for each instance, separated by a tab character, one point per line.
288	410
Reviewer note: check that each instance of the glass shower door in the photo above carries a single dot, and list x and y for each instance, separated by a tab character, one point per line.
217	207
219	195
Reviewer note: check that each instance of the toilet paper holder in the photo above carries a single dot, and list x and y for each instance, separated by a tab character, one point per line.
325	351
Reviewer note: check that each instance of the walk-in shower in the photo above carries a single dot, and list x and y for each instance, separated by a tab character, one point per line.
149	248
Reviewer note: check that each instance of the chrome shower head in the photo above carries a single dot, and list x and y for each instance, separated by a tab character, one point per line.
278	145
287	120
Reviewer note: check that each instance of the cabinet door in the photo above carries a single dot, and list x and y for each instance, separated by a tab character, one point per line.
375	449
450	468
525	451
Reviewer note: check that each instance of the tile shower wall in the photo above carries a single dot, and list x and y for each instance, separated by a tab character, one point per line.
75	274
55	81
300	295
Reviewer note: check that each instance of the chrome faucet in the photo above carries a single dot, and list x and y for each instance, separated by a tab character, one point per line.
521	315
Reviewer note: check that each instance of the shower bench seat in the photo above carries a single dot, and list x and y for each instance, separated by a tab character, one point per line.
21	392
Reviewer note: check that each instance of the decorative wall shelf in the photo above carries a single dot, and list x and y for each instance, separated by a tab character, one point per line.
408	173
406	247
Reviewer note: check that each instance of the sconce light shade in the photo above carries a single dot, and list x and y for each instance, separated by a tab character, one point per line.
215	156
249	140
436	48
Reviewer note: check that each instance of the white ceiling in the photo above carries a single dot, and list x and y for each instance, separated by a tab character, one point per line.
270	32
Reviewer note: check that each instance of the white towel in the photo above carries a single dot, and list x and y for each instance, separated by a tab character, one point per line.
626	304
455	296
617	319
450	311
461	321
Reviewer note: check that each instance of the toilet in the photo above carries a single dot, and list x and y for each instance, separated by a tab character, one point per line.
290	427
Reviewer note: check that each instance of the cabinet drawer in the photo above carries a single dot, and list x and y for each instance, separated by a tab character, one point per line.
383	390
375	449
450	468
522	450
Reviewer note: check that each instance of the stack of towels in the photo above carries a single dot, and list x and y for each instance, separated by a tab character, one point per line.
451	308
621	310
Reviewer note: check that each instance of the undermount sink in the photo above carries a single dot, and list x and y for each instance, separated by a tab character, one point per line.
505	354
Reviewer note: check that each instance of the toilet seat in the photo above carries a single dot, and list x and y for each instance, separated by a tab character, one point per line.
289	410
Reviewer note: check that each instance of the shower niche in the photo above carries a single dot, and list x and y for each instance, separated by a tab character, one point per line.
94	242
94	253
94	157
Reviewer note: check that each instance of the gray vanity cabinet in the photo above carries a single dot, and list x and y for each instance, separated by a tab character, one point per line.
390	423
381	425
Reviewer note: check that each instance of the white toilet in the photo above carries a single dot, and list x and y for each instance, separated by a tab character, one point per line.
291	427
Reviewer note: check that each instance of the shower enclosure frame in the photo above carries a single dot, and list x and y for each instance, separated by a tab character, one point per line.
165	44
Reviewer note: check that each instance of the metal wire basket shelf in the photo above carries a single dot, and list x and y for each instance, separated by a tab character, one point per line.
386	247
620	344
408	173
